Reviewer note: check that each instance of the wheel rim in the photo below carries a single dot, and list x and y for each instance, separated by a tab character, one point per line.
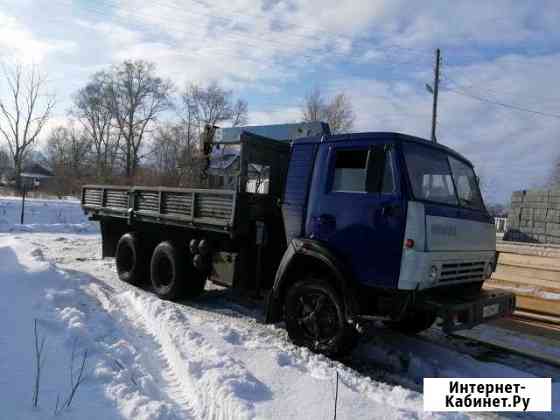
317	316
165	272
125	259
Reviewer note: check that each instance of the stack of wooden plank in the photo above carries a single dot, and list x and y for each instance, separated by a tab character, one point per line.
532	271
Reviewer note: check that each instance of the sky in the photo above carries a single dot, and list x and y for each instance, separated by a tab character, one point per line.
378	52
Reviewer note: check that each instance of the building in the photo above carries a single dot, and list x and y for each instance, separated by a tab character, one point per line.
35	174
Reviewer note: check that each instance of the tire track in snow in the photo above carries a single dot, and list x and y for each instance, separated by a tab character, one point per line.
169	318
207	382
219	385
166	385
214	384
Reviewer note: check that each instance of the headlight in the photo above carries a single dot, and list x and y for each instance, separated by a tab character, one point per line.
434	272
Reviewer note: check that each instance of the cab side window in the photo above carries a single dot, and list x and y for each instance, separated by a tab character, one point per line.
350	170
364	170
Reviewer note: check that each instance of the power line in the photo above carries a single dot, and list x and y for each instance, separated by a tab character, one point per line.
498	91
502	104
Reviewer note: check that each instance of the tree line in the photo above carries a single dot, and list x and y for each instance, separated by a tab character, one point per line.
127	125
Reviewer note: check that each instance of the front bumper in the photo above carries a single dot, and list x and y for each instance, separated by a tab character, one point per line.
460	313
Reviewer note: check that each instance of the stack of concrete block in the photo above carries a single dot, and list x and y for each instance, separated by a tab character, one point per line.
534	217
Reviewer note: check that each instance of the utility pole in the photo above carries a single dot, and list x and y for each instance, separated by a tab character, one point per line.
435	95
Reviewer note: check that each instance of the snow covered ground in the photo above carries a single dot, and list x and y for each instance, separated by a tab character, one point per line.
44	216
211	358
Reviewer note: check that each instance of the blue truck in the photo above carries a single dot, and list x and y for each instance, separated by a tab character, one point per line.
331	231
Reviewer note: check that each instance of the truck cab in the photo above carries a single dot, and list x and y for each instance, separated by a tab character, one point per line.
402	212
402	226
336	230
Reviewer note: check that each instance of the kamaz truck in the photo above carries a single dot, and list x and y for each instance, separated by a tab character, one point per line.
331	231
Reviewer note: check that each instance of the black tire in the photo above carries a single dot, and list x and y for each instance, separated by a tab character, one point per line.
315	318
413	322
172	275
131	259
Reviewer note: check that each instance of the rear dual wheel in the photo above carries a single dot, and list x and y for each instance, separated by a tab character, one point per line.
170	270
131	260
172	275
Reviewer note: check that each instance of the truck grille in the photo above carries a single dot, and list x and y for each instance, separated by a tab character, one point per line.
462	271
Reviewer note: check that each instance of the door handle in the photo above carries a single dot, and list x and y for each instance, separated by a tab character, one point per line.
326	220
390	210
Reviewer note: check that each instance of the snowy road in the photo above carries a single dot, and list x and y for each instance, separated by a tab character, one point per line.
211	358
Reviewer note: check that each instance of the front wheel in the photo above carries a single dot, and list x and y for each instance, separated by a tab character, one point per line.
315	318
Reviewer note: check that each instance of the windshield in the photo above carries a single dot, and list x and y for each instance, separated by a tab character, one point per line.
436	176
466	184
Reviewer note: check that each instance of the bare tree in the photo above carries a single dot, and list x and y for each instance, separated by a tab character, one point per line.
213	105
92	109
166	154
4	161
337	112
136	97
24	113
68	150
205	108
69	147
188	114
314	106
240	112
174	159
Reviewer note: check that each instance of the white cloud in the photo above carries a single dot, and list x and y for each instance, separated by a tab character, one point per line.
272	51
261	41
19	44
277	116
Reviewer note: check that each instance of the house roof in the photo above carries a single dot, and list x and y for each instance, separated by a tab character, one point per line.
36	170
223	161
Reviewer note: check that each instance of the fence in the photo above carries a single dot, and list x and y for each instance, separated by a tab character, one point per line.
501	224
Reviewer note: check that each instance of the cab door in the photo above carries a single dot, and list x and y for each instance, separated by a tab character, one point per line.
357	210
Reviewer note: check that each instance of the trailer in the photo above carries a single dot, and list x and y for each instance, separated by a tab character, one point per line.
329	230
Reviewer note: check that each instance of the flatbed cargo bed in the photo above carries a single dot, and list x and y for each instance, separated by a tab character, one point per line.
193	208
233	209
